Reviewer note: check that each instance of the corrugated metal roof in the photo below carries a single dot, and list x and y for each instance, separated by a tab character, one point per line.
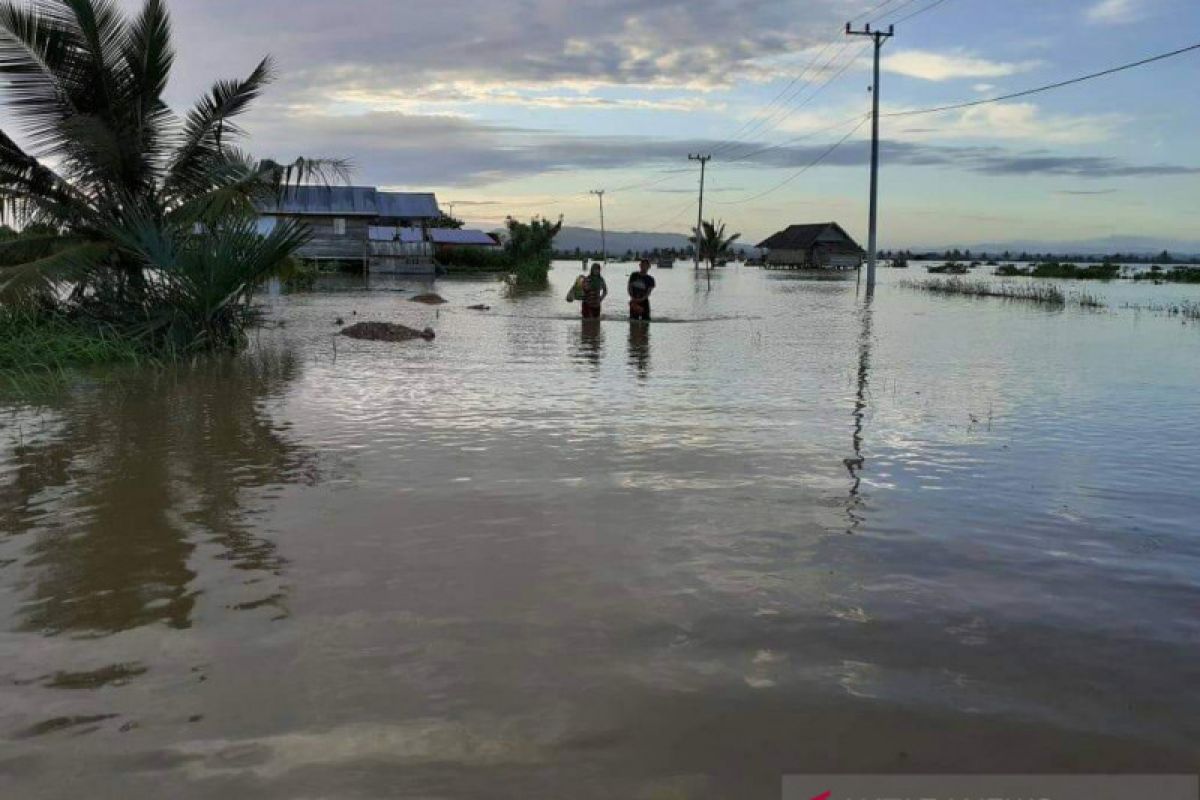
450	236
394	234
346	201
410	205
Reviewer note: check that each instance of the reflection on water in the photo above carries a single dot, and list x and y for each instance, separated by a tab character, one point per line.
591	342
639	348
856	463
109	499
549	558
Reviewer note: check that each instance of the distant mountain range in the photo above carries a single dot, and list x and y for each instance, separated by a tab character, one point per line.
619	242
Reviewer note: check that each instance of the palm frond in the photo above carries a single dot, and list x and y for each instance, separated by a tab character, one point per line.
38	58
32	280
209	124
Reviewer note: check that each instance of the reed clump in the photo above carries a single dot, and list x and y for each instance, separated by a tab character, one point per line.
1045	294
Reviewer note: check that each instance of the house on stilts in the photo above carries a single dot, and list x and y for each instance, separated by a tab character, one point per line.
824	245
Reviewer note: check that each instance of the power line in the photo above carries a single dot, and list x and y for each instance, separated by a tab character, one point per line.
918	12
1047	87
788	142
784	112
808	100
802	170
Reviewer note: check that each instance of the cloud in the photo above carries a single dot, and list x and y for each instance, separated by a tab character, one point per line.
1085	192
1113	12
405	150
929	66
410	46
984	88
1021	121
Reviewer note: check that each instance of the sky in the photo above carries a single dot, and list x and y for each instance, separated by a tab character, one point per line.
522	106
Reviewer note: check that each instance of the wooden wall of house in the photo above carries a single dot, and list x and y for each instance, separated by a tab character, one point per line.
787	257
325	244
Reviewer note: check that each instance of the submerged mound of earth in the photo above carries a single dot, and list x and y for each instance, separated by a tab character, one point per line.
428	299
386	332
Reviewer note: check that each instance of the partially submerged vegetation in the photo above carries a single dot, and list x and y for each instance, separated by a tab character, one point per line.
1045	294
46	344
1056	269
1187	310
530	249
949	268
1175	275
142	237
714	245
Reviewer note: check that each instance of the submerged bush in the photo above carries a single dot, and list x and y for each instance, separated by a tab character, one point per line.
530	247
949	268
1176	275
1096	272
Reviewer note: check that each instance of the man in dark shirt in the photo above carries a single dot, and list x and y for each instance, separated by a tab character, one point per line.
641	285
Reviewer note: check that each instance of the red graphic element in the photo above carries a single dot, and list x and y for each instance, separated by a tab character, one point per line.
825	796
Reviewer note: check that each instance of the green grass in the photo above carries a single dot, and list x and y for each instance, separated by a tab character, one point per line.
32	345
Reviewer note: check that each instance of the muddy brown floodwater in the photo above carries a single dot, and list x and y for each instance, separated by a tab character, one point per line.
783	530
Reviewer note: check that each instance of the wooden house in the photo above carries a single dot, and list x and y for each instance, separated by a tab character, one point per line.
824	245
341	219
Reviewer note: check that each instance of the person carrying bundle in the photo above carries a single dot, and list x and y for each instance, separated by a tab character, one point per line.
591	290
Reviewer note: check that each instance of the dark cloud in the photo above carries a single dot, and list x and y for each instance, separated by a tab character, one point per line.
398	149
380	44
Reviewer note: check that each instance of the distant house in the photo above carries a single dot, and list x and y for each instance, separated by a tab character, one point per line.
825	245
341	219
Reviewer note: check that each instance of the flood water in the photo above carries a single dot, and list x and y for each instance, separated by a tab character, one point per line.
785	530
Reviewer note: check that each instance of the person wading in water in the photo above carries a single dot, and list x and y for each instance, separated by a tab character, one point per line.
594	292
641	284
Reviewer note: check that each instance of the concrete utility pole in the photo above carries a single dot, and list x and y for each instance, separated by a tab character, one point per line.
880	37
700	214
603	236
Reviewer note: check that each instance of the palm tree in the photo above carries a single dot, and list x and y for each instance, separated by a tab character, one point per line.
151	216
712	242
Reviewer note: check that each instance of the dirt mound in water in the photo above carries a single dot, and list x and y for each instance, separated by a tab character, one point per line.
386	332
429	299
